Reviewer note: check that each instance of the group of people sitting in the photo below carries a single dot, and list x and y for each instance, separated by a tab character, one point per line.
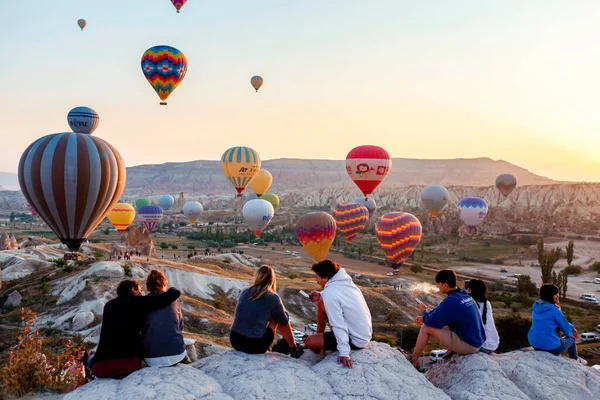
139	329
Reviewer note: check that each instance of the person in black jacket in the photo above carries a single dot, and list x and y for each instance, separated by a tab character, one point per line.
120	349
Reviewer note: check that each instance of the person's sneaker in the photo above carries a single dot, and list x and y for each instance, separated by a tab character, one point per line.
582	361
297	352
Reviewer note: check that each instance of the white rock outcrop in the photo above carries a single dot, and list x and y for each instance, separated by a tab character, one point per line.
23	268
82	320
14	299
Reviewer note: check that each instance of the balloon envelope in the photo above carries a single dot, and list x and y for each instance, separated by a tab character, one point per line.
178	4
72	180
472	211
150	216
368	166
258	213
164	67
166	201
82	23
398	234
121	216
316	231
83	120
261	182
256	82
367	202
142	201
350	219
240	165
434	198
251	196
506	183
192	211
31	209
271	198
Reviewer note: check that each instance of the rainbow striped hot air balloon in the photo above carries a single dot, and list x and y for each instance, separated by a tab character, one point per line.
150	216
350	219
164	67
240	165
398	234
316	231
121	216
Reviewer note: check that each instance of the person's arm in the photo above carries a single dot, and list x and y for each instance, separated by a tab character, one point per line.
335	316
440	316
152	303
564	325
278	313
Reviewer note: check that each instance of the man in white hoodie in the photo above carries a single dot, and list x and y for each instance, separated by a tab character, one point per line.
342	305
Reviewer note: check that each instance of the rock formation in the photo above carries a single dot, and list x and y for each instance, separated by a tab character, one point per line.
14	299
138	238
14	245
4	241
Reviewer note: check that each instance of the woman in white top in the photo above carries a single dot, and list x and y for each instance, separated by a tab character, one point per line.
477	290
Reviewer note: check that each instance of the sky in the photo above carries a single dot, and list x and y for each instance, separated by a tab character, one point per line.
512	80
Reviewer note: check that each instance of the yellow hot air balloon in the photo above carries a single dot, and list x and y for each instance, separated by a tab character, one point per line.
262	182
121	216
240	165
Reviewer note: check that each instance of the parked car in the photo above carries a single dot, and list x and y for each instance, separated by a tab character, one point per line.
588	296
502	278
598	328
390	273
571	276
436	355
503	270
288	252
587	336
294	253
597	281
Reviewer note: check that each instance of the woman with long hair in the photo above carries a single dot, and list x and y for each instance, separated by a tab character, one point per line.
546	318
259	314
477	290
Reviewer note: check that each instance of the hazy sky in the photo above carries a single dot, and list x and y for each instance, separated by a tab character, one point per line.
513	80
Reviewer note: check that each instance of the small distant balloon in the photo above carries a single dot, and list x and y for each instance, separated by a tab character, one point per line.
350	219
398	234
256	82
368	166
166	202
121	216
240	165
506	183
83	120
142	201
316	231
271	198
192	211
178	4
261	182
472	211
367	202
258	213
434	198
164	67
150	216
82	23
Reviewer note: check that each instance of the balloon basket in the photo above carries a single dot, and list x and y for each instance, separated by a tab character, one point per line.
163	103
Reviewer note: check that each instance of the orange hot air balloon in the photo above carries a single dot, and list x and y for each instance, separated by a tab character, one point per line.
256	82
398	234
350	219
316	231
121	216
262	182
240	165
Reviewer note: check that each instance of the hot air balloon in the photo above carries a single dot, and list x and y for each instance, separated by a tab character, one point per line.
472	211
251	196
72	180
256	82
166	201
398	234
192	211
271	198
178	4
142	201
121	216
506	183
434	198
82	23
350	219
164	67
368	166
262	182
31	209
367	202
83	120
258	213
240	165
316	231
150	216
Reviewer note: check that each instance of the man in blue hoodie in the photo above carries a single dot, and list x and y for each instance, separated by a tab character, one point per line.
455	323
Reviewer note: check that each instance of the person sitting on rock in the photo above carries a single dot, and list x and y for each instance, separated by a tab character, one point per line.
120	351
464	334
343	306
546	317
259	314
162	335
477	290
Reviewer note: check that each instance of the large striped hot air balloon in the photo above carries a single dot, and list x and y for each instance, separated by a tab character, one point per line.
350	219
150	216
178	4
258	213
472	211
73	180
398	234
166	202
368	166
83	120
121	216
434	198
261	182
164	67
240	165
192	211
316	231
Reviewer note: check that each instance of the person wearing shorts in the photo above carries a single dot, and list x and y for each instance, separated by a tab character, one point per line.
455	323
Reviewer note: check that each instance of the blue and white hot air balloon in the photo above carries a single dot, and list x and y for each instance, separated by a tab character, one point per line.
472	211
83	120
150	216
367	202
166	202
258	213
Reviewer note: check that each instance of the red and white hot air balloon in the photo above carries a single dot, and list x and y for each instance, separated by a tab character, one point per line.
368	166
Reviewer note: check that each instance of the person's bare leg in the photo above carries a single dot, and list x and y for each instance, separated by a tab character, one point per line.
321	317
423	340
315	342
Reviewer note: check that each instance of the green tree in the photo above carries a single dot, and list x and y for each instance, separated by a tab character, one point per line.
12	217
526	286
164	246
565	280
371	248
391	318
540	250
416	268
513	330
570	251
547	260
